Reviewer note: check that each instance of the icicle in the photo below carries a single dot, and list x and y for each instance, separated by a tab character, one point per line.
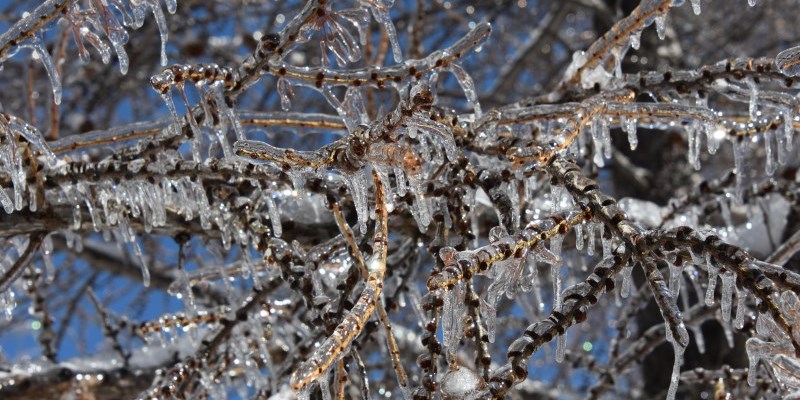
739	161
304	393
617	56
605	242
661	26
163	31
578	236
629	126
40	52
597	140
714	135
324	387
47	256
753	106
216	90
675	279
627	281
590	233
419	208
286	93
468	86
137	250
636	39
99	45
698	339
536	285
453	318
489	313
605	135
33	136
561	347
728	280
555	271
384	19
172	6
698	129
274	215
738	321
788	127
769	137
400	179
726	329
601	137
696	7
712	281
167	97
440	133
725	212
692	137
7	304
555	196
756	350
358	186
8	205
